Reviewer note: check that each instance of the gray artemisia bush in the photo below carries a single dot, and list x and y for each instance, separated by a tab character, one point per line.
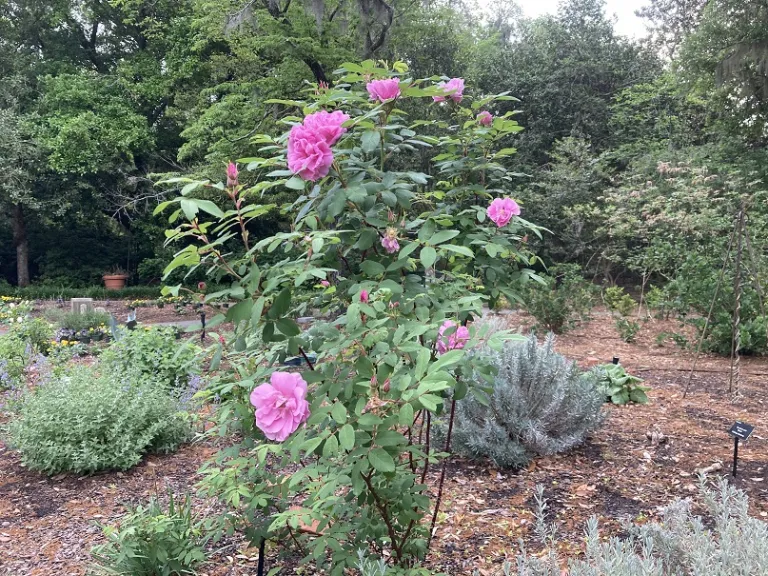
541	404
728	543
84	421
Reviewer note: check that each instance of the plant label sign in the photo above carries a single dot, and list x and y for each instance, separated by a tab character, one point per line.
741	430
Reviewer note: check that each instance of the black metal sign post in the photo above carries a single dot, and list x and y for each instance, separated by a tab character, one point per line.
615	360
739	431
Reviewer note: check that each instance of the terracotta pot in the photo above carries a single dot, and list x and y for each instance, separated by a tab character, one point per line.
114	281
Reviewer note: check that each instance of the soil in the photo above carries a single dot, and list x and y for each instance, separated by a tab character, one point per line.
47	525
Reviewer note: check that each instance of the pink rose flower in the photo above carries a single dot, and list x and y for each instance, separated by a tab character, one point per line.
281	406
453	89
201	286
327	125
364	296
389	241
325	283
309	154
502	210
383	90
456	340
232	174
485	118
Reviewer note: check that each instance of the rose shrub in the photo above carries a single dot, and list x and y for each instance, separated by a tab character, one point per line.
409	258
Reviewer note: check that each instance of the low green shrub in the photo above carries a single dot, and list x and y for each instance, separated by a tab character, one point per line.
627	329
14	356
155	352
618	301
36	332
540	404
563	299
84	421
75	322
619	387
726	542
153	541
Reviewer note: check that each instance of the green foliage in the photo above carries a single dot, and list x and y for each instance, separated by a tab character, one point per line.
154	352
43	292
726	541
627	329
619	301
76	322
563	298
14	355
85	421
540	404
153	540
618	386
381	360
36	332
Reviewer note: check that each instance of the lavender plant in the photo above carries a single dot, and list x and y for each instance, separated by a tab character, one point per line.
729	542
540	403
405	257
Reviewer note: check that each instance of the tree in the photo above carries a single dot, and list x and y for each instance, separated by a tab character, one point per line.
671	21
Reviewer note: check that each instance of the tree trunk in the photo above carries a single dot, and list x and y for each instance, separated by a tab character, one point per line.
21	243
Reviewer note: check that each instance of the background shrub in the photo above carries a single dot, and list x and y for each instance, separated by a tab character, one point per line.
729	542
564	298
155	353
84	421
153	541
76	322
541	404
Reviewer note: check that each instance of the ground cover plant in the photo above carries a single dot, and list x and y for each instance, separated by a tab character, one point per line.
386	364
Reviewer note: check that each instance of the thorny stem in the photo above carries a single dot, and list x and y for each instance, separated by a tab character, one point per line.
303	354
442	474
426	458
382	506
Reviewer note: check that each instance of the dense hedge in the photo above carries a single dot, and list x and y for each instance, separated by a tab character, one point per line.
95	292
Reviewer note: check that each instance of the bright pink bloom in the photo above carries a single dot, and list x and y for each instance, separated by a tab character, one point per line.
281	406
232	174
456	340
502	210
327	125
389	241
453	89
383	90
364	296
485	118
309	155
201	286
325	283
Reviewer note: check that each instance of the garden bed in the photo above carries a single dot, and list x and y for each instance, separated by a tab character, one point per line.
47	526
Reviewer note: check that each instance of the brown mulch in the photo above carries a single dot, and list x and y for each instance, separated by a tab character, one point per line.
47	525
146	314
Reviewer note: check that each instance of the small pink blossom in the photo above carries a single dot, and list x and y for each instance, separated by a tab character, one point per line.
453	89
383	90
389	241
502	210
309	155
201	286
232	174
456	340
281	406
364	296
327	125
325	283
485	118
